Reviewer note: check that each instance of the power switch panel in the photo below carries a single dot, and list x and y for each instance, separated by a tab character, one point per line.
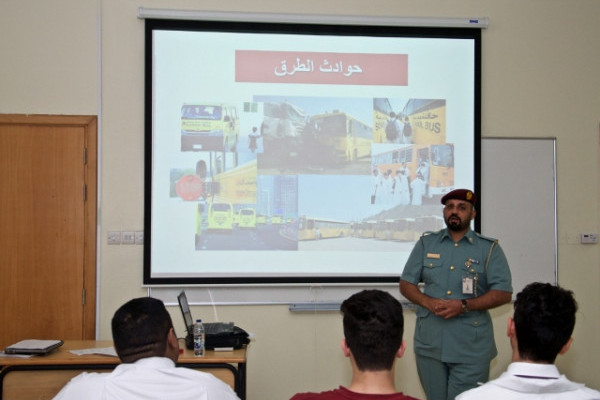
114	237
588	238
128	237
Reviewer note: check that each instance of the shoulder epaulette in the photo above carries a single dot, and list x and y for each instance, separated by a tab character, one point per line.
486	238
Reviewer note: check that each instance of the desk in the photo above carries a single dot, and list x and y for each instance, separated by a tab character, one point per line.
41	377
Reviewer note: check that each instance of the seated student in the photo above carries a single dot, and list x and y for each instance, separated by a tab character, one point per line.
148	348
540	329
373	328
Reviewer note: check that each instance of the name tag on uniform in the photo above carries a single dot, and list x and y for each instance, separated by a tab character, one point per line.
467	285
433	255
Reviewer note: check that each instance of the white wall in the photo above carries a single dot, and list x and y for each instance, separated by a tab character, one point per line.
540	78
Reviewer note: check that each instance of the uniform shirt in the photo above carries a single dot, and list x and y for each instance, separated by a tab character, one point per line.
146	379
342	393
528	381
441	265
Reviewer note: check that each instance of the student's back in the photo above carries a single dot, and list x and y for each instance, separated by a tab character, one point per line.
543	382
147	379
539	331
344	394
148	348
373	328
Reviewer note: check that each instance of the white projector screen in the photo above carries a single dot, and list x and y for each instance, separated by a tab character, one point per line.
300	153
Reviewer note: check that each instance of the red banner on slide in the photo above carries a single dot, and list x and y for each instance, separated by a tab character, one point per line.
321	68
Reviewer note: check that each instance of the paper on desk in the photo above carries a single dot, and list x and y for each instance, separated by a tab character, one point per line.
103	351
3	354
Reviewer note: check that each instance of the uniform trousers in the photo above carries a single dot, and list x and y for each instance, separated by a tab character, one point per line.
445	381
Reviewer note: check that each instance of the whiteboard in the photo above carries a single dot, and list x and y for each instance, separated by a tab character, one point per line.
517	206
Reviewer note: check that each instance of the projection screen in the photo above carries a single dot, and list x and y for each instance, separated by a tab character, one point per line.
301	153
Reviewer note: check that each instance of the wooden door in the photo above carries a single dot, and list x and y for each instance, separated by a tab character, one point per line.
48	168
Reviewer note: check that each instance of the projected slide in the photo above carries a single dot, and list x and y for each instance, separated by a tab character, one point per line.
300	158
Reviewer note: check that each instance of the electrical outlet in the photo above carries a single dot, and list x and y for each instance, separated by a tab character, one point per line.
114	237
128	237
139	237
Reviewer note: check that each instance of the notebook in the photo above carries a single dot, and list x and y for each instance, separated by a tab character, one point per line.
33	346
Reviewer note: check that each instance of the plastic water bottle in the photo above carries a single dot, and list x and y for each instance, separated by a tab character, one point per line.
199	338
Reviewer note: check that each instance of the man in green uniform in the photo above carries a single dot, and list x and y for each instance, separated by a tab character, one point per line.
464	275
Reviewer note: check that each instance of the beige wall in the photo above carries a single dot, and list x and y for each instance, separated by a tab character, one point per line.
541	63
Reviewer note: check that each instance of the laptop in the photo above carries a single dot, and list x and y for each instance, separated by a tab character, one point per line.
210	328
33	346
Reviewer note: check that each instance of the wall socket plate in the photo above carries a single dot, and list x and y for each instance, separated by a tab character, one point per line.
128	237
114	237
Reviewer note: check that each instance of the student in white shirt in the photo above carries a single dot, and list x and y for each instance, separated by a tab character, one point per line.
148	348
539	331
418	190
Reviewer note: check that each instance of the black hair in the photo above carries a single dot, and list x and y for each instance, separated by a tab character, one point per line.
544	321
140	328
373	328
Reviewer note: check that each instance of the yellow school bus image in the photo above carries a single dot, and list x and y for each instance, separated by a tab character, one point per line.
428	223
247	218
404	230
237	185
384	229
344	137
400	229
220	217
427	120
381	113
434	162
276	219
261	219
211	127
422	120
355	229
367	229
319	228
